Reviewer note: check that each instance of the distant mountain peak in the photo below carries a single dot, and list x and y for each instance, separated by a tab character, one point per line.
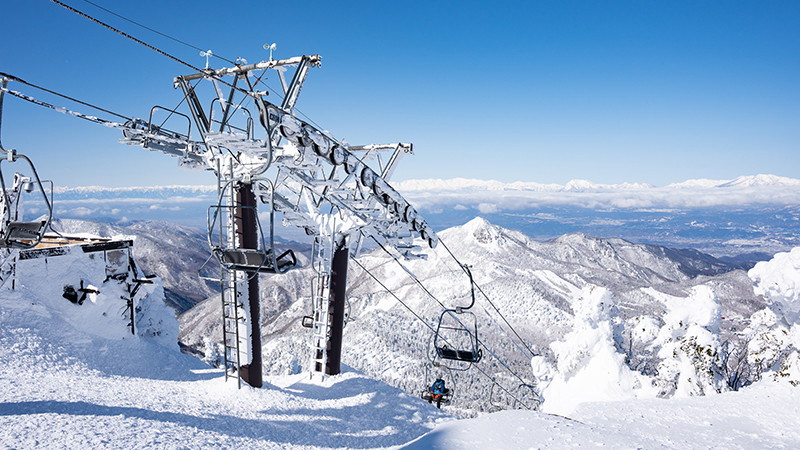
761	180
480	230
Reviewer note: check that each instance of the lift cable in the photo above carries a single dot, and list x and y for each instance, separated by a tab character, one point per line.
72	99
433	330
63	110
161	52
122	33
416	280
490	302
157	32
95	119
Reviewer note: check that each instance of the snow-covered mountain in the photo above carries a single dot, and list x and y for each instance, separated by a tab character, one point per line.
533	284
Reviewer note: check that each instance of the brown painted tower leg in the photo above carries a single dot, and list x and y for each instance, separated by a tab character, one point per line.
336	309
246	229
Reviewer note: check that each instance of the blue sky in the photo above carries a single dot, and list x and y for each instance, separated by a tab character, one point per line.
654	92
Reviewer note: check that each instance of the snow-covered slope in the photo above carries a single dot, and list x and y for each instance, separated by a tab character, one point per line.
72	376
75	379
766	415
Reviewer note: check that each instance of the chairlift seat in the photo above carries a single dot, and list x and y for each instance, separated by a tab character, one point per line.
459	355
21	234
256	260
443	399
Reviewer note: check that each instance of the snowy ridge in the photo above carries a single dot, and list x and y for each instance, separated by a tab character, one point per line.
760	180
438	185
521	198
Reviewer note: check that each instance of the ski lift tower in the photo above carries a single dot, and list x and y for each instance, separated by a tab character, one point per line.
262	153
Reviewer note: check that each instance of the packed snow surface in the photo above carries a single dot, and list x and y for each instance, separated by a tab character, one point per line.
765	415
66	388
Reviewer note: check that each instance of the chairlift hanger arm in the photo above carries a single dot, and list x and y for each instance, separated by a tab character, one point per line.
290	99
3	85
460	309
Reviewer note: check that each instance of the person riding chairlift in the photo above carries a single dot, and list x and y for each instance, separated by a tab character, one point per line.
437	392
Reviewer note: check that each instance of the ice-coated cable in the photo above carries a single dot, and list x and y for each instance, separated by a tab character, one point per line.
156	31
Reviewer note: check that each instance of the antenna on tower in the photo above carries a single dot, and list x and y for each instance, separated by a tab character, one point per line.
207	54
270	47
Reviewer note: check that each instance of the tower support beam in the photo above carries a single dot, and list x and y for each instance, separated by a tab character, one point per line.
336	308
246	230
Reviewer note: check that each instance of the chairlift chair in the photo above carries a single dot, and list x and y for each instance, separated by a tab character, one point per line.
527	397
17	233
439	385
456	337
259	260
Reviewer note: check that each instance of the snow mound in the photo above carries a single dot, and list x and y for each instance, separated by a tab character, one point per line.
763	416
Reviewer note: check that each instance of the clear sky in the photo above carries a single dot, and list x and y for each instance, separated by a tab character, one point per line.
544	91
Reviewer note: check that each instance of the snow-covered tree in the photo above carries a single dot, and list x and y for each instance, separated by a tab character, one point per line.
590	362
212	352
767	341
778	280
690	347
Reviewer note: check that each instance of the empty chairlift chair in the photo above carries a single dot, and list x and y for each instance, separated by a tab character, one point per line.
263	259
456	337
17	233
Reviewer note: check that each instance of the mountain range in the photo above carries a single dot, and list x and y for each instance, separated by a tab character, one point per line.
746	219
533	285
